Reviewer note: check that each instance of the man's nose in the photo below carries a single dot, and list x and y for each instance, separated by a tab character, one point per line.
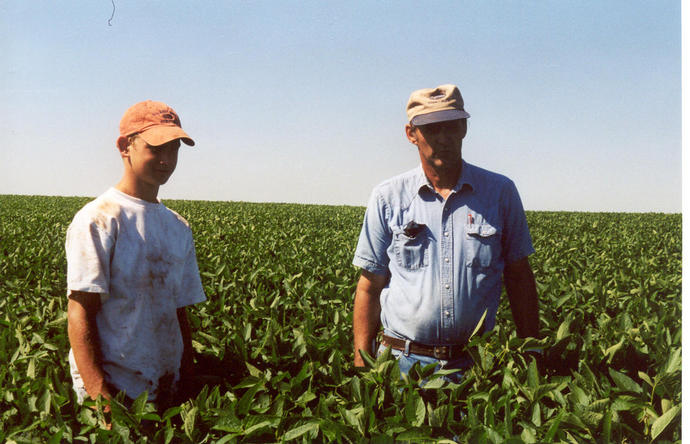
165	156
443	136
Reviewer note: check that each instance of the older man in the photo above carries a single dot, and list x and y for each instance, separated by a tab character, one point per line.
436	245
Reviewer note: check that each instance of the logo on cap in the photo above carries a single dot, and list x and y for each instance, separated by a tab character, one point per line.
168	117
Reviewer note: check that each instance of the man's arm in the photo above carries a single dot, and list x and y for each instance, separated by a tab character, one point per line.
187	364
367	311
83	336
522	294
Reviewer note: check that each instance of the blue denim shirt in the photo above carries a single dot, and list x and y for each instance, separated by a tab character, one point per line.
443	278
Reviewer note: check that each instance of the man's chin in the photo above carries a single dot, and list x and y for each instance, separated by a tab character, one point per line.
447	164
161	179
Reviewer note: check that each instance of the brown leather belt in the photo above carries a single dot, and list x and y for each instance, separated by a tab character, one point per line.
445	352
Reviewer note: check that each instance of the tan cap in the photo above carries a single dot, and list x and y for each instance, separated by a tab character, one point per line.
155	122
438	104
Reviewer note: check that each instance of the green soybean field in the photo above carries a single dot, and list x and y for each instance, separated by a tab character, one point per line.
276	335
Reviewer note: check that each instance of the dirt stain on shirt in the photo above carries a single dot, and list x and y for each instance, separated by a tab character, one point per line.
105	211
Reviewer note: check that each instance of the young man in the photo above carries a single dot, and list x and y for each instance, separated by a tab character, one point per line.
132	270
436	243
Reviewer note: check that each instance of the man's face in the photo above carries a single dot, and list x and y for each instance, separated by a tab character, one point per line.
153	164
440	143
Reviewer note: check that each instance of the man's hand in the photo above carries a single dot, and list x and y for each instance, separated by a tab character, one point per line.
367	312
522	293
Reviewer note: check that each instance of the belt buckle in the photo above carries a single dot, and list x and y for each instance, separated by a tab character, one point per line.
440	351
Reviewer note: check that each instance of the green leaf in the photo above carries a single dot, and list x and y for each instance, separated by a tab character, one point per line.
228	423
625	403
122	431
471	414
189	422
259	426
435	382
31	369
139	404
553	428
645	377
611	351
624	382
310	427
479	325
245	402
536	414
368	360
305	397
438	415
57	436
493	434
563	330
508	419
532	375
88	417
354	418
255	372
151	417
171	412
528	435
606	427
414	409
674	362
664	420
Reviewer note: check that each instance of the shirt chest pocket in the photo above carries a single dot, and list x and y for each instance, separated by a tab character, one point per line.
411	253
482	244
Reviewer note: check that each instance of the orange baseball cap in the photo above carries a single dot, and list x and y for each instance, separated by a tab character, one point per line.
155	122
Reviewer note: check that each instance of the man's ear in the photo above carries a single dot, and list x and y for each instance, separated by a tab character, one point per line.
411	134
123	146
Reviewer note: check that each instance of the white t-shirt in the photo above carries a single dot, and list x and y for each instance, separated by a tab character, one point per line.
140	257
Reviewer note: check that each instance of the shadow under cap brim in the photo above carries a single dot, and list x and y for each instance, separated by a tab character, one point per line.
158	135
439	116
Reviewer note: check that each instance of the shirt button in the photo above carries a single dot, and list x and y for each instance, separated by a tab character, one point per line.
447	260
447	286
445	233
447	313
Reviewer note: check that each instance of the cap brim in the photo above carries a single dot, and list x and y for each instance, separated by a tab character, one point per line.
439	116
158	135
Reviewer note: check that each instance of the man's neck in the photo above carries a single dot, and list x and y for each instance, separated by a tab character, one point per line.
138	189
443	180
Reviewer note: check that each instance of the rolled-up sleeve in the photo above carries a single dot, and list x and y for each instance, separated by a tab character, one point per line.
375	238
516	240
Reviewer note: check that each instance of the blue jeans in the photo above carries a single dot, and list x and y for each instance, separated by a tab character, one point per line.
406	362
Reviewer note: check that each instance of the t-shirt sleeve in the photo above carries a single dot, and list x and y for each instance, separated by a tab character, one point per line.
374	239
88	249
516	239
192	289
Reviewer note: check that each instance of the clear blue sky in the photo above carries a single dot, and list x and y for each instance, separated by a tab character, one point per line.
579	102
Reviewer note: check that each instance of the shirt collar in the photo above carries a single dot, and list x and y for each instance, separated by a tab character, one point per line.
466	178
